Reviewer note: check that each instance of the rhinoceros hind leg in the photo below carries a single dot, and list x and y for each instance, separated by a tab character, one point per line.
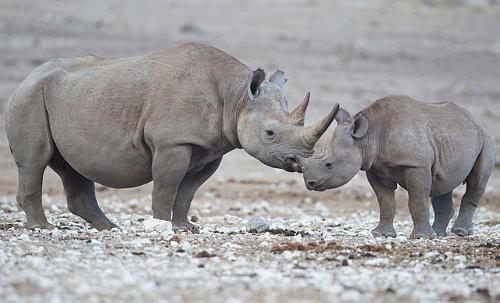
443	212
31	145
476	184
80	194
29	197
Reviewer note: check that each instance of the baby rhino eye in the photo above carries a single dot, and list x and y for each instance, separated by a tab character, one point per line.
329	165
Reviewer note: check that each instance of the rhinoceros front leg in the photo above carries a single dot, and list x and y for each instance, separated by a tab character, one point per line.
185	194
169	168
387	205
418	183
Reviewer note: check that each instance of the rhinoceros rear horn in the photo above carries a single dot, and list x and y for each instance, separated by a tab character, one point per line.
311	134
278	78
298	115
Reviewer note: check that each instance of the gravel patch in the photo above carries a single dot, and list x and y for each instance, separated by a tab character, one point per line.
306	254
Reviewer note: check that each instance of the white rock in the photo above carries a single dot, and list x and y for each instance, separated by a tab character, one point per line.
157	225
231	219
24	237
185	245
460	258
37	249
377	261
431	254
257	225
55	232
401	239
95	242
138	243
3	257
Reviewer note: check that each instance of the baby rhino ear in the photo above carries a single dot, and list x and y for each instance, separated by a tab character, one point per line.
359	126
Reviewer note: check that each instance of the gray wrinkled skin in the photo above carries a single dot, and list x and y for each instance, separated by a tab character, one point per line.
427	148
168	117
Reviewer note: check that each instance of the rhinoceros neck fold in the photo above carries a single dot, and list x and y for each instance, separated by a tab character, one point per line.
369	150
233	97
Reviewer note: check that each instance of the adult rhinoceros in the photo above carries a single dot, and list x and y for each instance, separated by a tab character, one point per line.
168	117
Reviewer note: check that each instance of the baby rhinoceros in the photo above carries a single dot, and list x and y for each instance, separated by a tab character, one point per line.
427	148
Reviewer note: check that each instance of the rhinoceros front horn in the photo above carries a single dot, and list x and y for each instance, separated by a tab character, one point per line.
298	115
311	134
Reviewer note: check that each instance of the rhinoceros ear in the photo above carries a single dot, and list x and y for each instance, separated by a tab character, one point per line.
359	126
342	116
253	86
278	78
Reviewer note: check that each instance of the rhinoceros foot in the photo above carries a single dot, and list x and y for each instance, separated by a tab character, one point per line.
384	231
103	224
185	226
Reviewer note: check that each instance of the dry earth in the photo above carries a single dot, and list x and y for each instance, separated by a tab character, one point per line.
319	246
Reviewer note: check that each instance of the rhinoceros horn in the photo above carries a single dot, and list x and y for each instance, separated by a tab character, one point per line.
311	134
298	115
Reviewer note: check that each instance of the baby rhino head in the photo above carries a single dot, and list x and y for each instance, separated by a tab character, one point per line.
334	165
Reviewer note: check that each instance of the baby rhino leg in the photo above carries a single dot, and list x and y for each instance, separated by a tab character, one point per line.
443	212
418	182
476	184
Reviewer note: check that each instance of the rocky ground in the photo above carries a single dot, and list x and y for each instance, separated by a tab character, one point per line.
317	246
310	252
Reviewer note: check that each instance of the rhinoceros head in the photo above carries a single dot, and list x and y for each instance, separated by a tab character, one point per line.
268	132
334	165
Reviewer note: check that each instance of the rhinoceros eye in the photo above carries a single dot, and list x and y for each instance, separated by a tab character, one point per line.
270	133
329	165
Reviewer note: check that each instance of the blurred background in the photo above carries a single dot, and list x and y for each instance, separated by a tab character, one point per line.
351	52
346	51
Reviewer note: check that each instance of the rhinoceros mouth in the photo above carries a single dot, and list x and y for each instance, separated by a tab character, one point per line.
316	186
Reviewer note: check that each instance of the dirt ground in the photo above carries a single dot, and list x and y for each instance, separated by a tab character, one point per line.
319	247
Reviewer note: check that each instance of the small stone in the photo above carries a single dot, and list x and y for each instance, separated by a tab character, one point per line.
431	254
24	237
205	254
157	225
460	258
195	219
231	219
37	249
401	239
55	232
185	246
257	225
377	262
95	242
